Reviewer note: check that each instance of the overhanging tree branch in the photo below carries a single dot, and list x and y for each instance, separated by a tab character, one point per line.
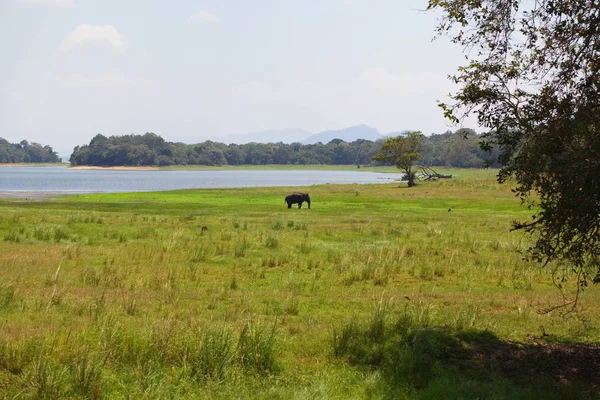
534	82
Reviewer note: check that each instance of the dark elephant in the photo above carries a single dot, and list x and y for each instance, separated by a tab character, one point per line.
297	198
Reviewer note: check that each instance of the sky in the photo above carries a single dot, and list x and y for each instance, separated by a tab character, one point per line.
192	70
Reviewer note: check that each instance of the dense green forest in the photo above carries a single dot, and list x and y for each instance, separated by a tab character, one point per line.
26	152
448	149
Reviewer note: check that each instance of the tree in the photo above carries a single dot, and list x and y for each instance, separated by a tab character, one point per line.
26	152
359	150
235	155
403	152
533	80
462	153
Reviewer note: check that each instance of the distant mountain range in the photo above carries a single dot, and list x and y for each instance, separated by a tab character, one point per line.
294	135
347	135
290	135
302	136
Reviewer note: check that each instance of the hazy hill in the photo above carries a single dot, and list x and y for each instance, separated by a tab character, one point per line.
290	135
399	133
348	135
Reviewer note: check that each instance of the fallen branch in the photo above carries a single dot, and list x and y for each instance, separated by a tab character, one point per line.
429	174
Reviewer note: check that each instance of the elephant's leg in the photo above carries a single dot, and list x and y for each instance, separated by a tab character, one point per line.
289	205
300	205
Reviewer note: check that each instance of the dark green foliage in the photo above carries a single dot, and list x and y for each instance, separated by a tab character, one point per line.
151	149
448	388
26	152
433	350
533	80
441	363
448	149
405	352
403	151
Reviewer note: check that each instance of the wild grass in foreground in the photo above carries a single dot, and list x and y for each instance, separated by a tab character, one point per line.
378	291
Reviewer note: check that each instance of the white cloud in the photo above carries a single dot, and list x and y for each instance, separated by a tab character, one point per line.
205	16
85	34
51	3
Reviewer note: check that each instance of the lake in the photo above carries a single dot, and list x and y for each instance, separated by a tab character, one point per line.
43	181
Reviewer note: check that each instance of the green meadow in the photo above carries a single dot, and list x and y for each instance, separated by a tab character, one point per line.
377	291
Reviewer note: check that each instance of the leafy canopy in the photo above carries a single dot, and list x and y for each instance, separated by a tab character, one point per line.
403	152
25	152
533	80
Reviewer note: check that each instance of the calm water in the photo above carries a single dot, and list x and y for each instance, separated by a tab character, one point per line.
66	180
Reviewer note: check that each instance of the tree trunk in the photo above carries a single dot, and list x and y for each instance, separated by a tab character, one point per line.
410	176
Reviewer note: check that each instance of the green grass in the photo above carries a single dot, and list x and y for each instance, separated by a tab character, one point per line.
377	291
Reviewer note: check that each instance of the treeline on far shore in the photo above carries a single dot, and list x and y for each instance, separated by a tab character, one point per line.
448	149
25	152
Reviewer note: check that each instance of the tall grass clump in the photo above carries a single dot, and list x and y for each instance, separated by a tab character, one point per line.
7	294
219	358
202	253
47	380
255	349
301	226
468	317
304	246
271	242
214	358
90	276
241	247
15	357
345	338
277	225
13	236
86	372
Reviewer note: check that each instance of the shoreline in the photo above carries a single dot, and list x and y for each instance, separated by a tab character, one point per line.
34	164
82	167
123	168
249	167
36	194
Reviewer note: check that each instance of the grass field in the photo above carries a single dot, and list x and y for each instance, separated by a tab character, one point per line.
378	291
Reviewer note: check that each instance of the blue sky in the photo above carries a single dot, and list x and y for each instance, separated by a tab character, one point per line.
197	69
